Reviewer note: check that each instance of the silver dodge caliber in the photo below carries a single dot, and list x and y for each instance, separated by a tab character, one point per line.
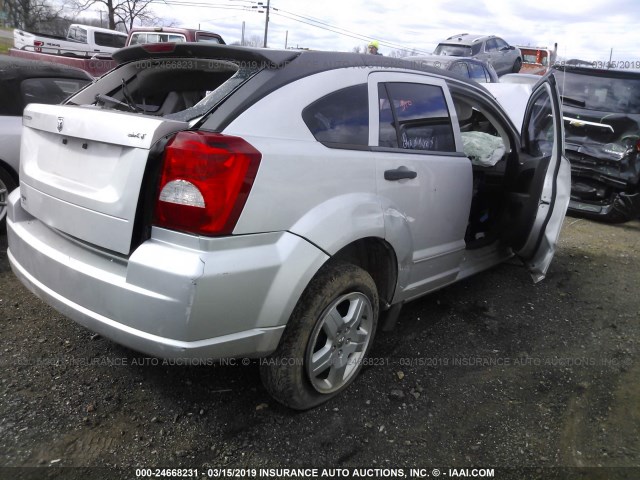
206	202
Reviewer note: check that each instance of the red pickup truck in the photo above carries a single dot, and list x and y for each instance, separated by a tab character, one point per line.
538	60
98	64
170	34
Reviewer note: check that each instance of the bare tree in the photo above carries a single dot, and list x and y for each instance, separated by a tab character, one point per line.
401	53
122	12
253	41
32	15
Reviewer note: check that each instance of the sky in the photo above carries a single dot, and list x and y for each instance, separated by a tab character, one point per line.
587	31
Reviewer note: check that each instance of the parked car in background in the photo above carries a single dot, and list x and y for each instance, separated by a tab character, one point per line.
520	78
97	64
141	35
602	137
537	60
471	68
503	57
23	82
80	41
94	65
206	201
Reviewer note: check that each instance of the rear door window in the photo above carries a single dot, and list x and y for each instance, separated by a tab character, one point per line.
491	45
461	69
414	116
478	73
340	119
501	43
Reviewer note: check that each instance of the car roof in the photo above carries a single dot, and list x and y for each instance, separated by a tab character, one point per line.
14	68
277	69
466	39
165	29
445	59
171	30
296	63
99	29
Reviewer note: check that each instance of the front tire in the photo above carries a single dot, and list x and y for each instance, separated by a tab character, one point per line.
328	335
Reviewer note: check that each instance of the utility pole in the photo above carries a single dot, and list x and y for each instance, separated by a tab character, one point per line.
242	38
266	24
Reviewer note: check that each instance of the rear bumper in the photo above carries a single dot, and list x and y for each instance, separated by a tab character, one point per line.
175	296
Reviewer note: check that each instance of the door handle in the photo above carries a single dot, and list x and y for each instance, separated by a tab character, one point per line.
399	173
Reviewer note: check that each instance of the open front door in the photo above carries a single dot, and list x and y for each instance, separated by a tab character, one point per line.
540	182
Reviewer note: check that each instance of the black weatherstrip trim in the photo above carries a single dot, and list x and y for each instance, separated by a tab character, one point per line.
148	193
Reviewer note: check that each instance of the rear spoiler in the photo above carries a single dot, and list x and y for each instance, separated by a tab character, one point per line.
274	58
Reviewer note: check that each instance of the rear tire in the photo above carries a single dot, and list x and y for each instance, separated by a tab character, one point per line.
517	65
326	339
7	185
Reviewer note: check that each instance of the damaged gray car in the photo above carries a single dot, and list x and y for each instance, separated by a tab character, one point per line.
602	141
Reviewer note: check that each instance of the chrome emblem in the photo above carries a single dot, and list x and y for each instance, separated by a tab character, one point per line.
60	124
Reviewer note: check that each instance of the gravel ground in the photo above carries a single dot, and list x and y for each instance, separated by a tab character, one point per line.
494	372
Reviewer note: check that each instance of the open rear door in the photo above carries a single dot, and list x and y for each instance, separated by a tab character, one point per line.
540	182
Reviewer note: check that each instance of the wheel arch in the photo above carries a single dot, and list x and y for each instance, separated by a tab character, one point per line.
373	254
378	258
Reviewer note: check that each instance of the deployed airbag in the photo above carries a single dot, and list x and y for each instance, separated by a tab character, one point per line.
482	149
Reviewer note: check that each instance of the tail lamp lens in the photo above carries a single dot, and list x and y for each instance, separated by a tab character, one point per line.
205	181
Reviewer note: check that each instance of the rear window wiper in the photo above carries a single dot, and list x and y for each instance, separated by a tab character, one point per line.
110	102
129	99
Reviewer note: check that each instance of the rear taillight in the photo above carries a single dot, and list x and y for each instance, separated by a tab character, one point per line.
38	45
638	146
205	181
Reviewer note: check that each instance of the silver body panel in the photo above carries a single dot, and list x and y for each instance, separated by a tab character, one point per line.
83	169
175	296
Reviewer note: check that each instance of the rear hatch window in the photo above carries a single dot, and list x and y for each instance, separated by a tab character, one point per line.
181	89
454	50
144	37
